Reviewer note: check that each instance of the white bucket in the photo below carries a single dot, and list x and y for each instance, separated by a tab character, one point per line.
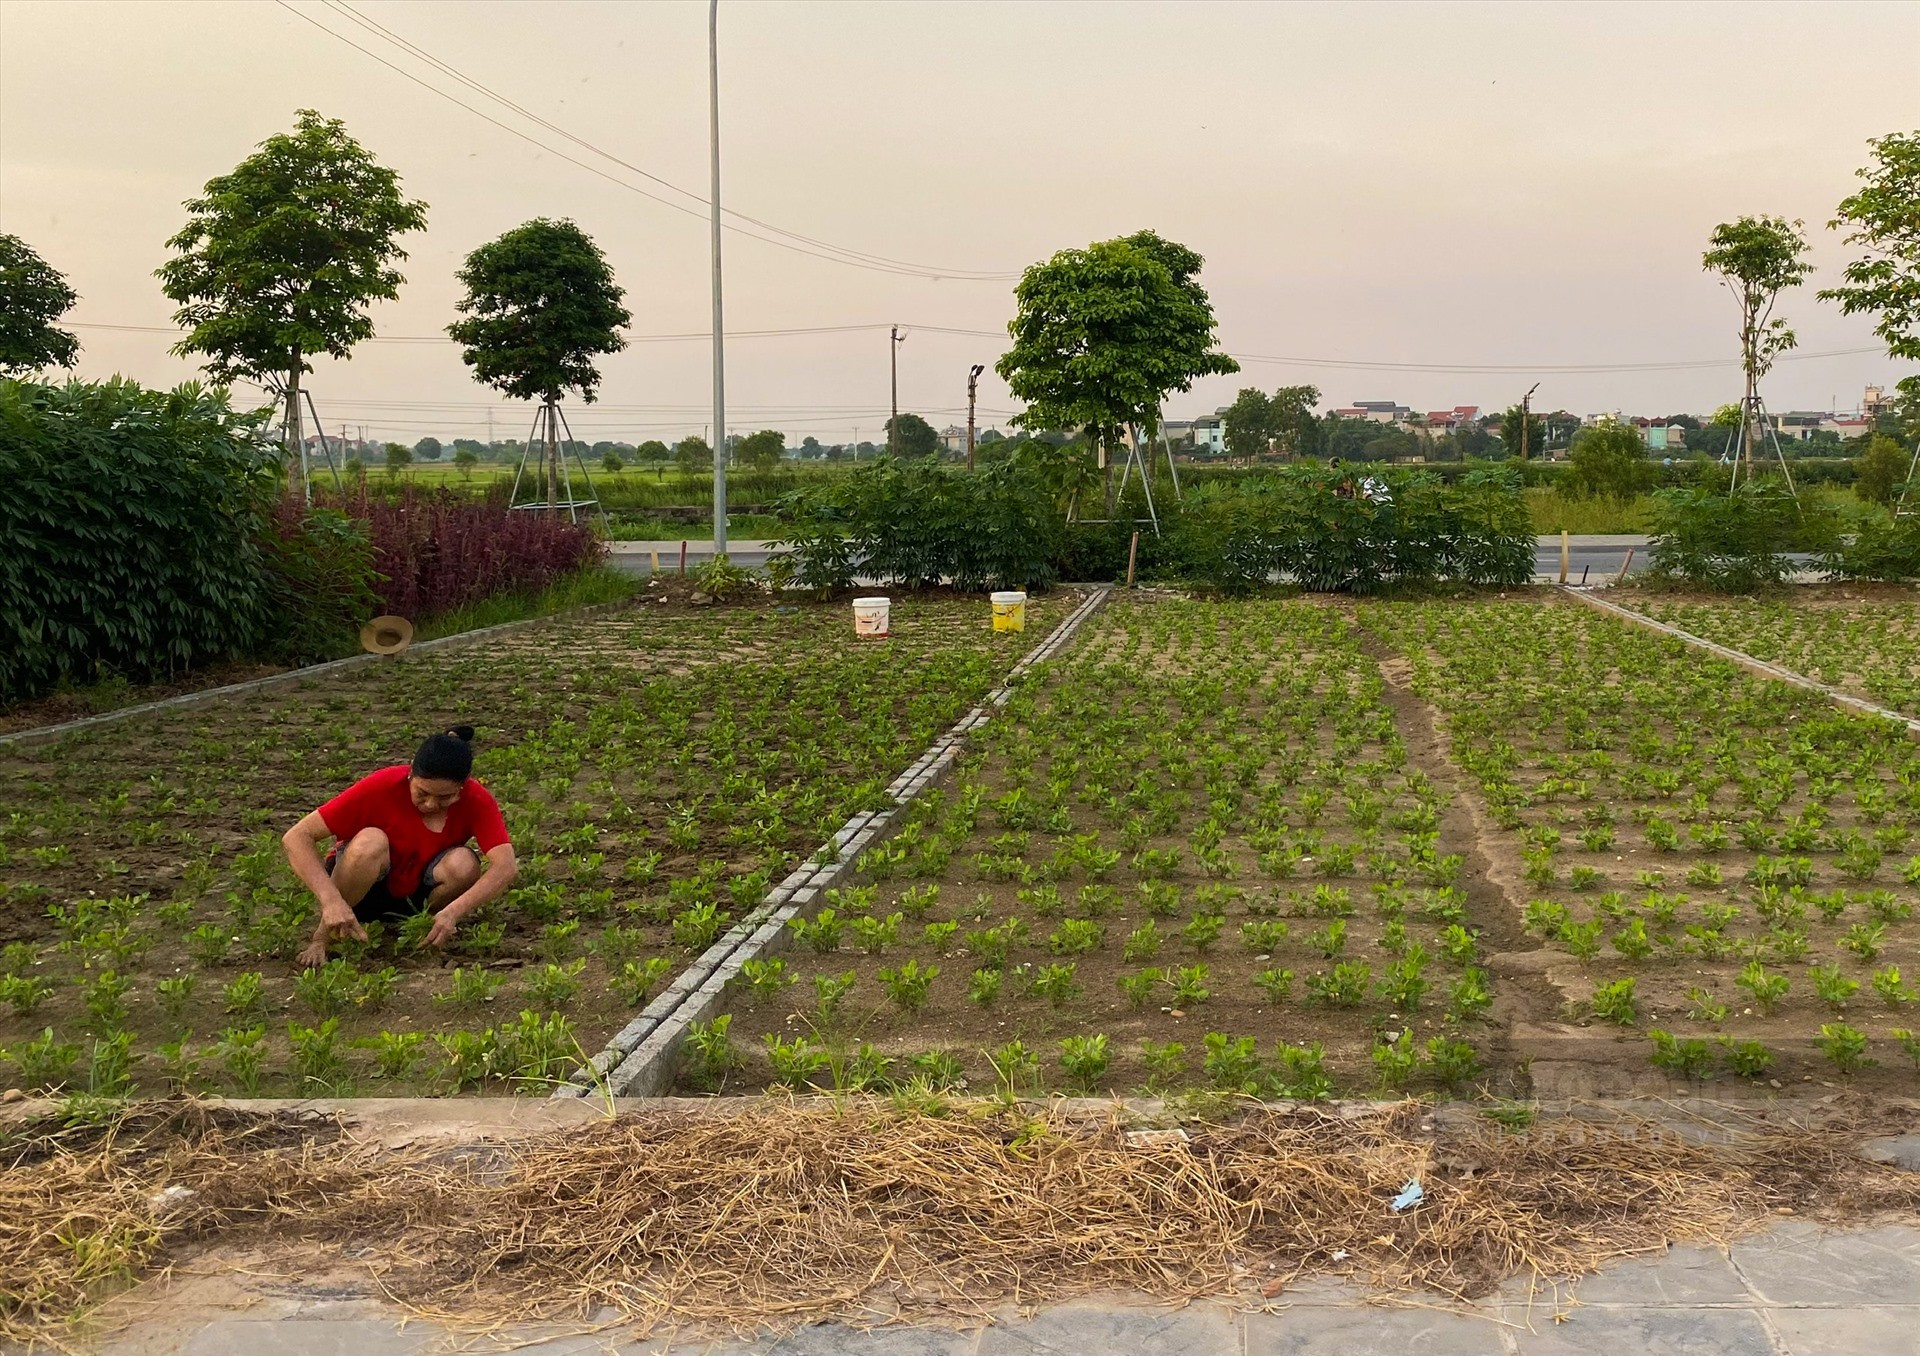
870	616
1010	611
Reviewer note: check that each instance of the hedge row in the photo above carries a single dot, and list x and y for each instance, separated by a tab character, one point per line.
1351	530
145	532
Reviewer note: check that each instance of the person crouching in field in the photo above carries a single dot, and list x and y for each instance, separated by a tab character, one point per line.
400	847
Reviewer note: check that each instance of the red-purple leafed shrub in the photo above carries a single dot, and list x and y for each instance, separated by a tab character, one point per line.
438	551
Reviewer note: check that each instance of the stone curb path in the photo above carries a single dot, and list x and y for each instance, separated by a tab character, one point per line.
1793	1291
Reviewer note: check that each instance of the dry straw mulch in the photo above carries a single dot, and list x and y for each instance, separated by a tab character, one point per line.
784	1212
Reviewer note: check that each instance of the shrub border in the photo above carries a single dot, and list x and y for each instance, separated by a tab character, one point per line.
1759	667
641	1059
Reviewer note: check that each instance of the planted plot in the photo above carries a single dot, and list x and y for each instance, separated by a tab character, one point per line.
1725	862
1192	852
656	769
1868	649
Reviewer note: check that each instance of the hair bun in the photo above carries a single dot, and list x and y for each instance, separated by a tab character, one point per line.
464	733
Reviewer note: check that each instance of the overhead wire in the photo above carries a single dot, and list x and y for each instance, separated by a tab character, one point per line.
1343	364
374	26
795	242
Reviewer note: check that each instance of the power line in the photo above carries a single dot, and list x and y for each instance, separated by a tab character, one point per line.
687	336
1343	364
372	25
1681	366
795	242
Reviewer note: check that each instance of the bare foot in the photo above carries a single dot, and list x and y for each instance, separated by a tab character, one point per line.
314	956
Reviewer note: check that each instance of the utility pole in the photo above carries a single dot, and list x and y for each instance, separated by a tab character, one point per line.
719	321
1526	418
894	340
973	382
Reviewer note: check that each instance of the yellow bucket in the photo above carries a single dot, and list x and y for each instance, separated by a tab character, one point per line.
1009	611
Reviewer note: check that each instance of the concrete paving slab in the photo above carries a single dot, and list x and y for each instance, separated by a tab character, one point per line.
1878	1331
1680	1276
1801	1263
311	1337
832	1339
1603	1331
1369	1330
1085	1329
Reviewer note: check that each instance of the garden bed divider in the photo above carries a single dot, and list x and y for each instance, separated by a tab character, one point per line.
1759	667
303	672
642	1057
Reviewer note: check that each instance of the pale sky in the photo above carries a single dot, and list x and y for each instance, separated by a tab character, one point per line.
1456	185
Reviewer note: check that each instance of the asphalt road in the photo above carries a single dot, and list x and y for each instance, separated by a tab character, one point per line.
1589	559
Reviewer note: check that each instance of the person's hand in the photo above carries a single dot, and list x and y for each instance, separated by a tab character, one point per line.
444	926
337	916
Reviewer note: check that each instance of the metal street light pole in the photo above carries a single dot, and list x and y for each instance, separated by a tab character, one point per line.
894	340
973	383
719	321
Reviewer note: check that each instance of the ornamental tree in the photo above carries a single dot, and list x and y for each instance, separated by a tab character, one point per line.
33	295
541	305
281	258
1103	335
1758	258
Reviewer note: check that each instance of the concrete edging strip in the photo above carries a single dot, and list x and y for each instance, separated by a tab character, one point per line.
640	1059
1759	667
294	675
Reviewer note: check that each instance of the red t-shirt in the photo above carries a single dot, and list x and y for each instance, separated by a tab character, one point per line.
382	801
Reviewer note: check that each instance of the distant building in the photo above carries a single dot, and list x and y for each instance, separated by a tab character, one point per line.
1872	401
954	438
1446	421
1846	426
1379	411
1209	433
1800	425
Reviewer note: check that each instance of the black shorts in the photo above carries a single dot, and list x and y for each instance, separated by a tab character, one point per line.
380	905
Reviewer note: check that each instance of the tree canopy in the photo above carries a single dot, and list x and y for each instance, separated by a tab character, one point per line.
1608	461
1880	469
1510	425
761	451
429	448
281	258
693	453
33	294
1103	335
541	305
912	436
1884	220
1757	258
1284	422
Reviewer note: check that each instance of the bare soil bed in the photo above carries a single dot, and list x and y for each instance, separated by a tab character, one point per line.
1863	639
1715	865
658	767
1291	847
1197	851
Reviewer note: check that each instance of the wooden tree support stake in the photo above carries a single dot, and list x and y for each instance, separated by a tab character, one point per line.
1133	552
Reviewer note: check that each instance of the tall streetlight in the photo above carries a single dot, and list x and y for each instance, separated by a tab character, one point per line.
719	322
894	340
973	385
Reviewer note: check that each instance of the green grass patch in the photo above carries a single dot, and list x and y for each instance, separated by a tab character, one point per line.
740	527
601	584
